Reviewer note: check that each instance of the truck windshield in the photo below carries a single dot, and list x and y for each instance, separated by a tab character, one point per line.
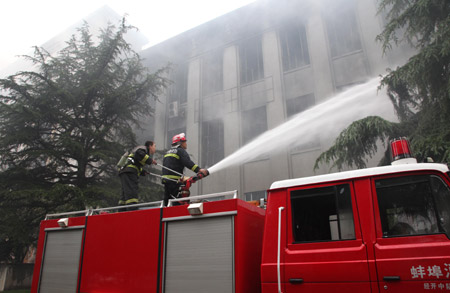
322	214
413	205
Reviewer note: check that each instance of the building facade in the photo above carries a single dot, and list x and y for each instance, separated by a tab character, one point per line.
250	70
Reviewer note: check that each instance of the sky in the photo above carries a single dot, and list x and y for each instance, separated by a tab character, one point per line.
28	23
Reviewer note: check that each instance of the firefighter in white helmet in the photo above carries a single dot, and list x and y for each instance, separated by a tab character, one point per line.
177	159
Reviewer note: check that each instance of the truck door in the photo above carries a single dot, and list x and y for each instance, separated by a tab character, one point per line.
412	249
324	251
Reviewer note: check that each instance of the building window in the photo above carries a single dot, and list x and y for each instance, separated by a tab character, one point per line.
251	60
413	205
212	142
342	29
294	46
295	106
322	214
178	90
176	102
254	123
299	104
255	195
212	73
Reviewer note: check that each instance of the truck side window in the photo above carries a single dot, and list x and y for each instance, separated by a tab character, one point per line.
322	214
441	193
413	205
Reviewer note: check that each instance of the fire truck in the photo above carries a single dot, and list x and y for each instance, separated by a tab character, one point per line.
382	229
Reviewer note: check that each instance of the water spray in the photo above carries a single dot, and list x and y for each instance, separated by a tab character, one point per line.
323	121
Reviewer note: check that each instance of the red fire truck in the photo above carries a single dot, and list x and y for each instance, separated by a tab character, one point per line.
383	229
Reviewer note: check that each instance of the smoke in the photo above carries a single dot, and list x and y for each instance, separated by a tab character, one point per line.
322	121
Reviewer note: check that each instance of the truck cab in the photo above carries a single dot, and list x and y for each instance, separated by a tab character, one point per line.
383	229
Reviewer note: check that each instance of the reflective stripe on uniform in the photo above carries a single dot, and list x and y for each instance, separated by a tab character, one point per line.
135	167
131	200
144	160
194	167
172	155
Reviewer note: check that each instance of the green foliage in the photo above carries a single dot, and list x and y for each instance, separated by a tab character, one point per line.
357	141
419	90
21	211
63	128
74	117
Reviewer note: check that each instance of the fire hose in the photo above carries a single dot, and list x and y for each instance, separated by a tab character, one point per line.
164	167
185	185
165	178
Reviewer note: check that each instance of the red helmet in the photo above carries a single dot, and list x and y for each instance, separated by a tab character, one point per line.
178	138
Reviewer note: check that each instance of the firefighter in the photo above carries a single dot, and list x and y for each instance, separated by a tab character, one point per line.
177	159
129	174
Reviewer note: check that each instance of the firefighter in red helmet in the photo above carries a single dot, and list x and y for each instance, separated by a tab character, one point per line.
177	159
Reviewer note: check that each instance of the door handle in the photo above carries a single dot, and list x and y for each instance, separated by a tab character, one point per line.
391	278
296	281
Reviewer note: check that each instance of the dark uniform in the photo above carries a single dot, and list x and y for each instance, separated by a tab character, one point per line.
129	175
176	159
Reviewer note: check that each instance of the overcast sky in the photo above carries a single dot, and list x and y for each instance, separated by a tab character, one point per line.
26	23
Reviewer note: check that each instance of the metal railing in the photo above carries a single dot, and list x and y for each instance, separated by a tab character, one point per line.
154	204
157	204
90	212
206	197
85	212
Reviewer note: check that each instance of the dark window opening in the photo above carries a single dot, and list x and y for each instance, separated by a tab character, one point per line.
178	90
212	73
254	123
342	29
212	142
322	214
299	104
294	47
295	106
413	205
251	60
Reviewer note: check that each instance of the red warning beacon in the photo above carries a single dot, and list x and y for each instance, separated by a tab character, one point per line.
401	152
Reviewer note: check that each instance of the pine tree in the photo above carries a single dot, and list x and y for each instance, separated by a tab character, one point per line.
63	127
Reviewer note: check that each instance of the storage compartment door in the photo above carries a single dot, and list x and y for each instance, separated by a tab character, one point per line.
59	272
199	256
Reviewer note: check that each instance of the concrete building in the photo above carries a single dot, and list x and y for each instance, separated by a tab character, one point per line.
252	69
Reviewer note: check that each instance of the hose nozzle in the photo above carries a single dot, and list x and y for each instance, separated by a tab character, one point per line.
200	175
184	188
